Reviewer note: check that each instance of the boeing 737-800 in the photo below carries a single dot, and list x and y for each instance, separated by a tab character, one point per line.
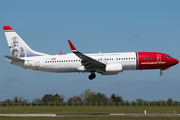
103	63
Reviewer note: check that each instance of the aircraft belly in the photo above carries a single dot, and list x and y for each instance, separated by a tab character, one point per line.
57	70
21	64
62	67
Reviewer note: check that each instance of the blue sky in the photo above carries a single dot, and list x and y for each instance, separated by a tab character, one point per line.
92	26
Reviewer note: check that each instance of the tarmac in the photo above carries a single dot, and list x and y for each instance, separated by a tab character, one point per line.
90	115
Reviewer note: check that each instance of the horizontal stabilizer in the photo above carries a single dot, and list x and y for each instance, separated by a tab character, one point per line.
14	58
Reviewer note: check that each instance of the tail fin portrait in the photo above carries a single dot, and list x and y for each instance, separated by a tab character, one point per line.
17	46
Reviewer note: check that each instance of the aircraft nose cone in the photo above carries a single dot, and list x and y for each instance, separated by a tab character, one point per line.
175	61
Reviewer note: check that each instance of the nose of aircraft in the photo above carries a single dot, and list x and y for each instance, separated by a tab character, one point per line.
175	61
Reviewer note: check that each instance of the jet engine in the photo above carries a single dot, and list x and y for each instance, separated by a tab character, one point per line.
112	69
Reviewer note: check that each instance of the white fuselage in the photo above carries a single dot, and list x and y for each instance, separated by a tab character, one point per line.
70	62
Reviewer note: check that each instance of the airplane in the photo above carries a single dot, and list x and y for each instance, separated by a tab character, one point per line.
103	63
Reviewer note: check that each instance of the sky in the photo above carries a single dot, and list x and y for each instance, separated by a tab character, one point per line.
92	26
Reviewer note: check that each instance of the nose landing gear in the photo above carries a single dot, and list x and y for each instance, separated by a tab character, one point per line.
161	73
92	76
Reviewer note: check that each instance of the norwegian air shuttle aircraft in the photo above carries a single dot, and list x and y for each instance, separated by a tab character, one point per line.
103	63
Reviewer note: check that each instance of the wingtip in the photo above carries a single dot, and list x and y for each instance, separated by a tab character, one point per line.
7	27
4	55
61	53
72	46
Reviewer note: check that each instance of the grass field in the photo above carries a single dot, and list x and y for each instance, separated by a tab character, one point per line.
90	118
90	109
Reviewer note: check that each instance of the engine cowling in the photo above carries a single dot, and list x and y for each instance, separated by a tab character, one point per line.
113	69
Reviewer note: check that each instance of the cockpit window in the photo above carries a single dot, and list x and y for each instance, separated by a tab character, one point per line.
168	56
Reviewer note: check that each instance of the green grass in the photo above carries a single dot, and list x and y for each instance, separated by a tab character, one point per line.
90	118
90	109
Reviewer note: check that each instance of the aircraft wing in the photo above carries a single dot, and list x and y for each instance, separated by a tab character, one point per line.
14	58
87	62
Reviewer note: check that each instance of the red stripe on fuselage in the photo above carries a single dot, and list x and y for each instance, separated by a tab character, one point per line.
154	60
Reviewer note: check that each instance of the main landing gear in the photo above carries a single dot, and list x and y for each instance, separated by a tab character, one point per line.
161	73
92	75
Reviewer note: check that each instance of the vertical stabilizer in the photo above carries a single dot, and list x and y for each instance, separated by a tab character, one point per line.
17	46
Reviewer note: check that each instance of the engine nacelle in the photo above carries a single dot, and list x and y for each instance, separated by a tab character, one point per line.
112	69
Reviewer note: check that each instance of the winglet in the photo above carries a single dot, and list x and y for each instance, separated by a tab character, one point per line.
72	46
61	53
7	28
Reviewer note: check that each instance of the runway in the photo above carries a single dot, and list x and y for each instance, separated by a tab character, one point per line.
90	115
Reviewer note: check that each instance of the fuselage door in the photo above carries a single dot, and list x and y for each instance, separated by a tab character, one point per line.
105	60
37	63
158	57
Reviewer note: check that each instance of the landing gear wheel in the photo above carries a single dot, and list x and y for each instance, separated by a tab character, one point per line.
92	76
161	73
